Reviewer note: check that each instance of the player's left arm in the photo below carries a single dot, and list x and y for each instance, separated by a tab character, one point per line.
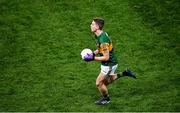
105	52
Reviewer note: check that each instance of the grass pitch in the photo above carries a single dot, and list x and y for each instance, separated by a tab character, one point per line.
41	68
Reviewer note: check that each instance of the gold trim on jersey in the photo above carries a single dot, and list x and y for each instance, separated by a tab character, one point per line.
104	47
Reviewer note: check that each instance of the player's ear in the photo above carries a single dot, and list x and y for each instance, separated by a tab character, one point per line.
97	26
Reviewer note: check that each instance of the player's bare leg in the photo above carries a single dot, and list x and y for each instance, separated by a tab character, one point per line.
100	84
110	79
102	89
113	77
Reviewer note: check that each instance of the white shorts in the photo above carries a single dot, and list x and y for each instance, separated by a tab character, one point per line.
108	70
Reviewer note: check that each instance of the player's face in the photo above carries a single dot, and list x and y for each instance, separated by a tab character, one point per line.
94	26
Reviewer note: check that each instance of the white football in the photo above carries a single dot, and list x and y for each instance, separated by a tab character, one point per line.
84	52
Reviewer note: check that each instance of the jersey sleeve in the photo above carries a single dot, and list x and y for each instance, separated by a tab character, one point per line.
105	44
104	48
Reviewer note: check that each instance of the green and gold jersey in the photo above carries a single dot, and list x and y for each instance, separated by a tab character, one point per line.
104	43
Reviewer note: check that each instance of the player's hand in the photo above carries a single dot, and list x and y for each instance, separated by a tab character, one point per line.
96	51
89	57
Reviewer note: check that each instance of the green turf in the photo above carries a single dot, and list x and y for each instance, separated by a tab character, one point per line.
41	68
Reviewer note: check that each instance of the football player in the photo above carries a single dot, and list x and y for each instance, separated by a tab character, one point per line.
108	61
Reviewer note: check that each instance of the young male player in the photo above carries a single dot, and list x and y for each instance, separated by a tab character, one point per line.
108	61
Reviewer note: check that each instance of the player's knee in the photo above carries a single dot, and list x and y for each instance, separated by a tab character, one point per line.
98	84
